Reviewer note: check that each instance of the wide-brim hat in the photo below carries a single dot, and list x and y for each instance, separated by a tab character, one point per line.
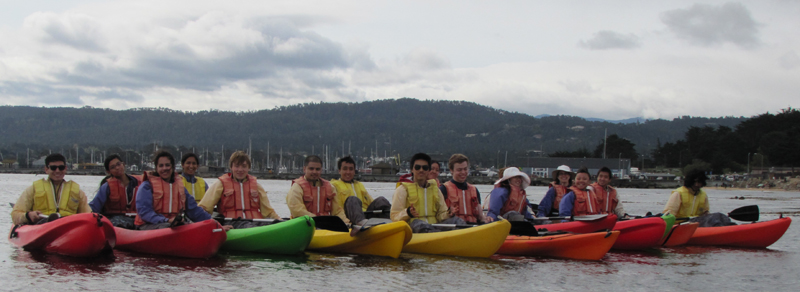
563	168
512	172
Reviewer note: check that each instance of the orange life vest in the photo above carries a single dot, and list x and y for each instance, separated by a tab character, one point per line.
239	200
585	202
319	200
465	200
169	199
606	200
515	202
560	192
117	201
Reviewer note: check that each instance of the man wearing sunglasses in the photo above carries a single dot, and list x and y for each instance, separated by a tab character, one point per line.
116	197
49	196
420	203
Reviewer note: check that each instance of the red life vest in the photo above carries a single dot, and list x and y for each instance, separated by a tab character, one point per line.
465	200
606	200
318	200
117	201
585	202
515	202
560	192
169	199
239	200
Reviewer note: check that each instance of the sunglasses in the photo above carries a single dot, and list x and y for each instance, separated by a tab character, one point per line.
60	167
424	167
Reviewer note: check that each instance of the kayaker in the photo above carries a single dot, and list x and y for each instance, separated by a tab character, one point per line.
237	195
461	195
162	197
562	180
607	198
196	186
436	170
311	195
581	200
690	200
357	203
508	199
420	203
51	195
116	197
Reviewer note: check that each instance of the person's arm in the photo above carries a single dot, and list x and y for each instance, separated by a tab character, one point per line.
336	207
144	205
295	202
100	198
673	205
399	211
525	211
194	212
83	206
705	207
547	203
619	210
266	209
367	196
567	203
478	193
211	197
442	210
22	207
497	199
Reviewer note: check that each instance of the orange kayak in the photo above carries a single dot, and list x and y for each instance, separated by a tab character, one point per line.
753	235
680	234
587	246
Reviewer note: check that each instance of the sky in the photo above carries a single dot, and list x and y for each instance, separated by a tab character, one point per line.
602	59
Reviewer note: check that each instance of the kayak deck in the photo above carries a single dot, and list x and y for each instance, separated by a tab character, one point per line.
753	235
196	240
380	240
289	237
606	223
638	234
479	241
587	246
79	235
680	234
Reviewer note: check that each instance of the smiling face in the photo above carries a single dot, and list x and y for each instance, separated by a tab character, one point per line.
420	169
116	168
434	172
312	171
563	178
460	171
603	179
581	180
57	175
164	168
240	170
190	166
515	182
347	172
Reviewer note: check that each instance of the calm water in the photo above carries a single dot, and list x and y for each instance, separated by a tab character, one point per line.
678	269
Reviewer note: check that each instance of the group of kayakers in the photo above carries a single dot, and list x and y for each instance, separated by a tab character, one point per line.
164	198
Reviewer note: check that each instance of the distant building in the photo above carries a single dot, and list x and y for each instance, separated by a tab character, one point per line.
544	166
383	168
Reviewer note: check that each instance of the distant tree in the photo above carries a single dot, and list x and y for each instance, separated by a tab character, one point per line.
616	147
580	153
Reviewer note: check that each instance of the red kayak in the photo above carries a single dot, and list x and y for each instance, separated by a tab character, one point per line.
606	223
79	235
753	235
680	234
639	233
196	240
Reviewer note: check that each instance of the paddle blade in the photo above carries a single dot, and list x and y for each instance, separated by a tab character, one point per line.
746	213
332	223
522	228
590	217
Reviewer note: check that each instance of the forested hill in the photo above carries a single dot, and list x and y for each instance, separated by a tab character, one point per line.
403	125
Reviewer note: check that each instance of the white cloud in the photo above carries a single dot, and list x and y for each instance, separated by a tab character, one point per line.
708	25
605	39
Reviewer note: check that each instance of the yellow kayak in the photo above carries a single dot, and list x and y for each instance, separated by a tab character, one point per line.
381	240
479	241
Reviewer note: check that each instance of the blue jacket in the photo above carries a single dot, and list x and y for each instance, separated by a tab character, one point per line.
144	206
546	205
498	198
100	198
567	203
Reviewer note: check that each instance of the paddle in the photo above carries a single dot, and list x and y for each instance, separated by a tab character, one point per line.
747	213
521	228
574	218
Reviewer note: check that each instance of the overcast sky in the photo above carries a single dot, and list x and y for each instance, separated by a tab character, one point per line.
604	59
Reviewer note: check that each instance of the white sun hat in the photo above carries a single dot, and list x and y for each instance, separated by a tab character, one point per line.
563	168
512	172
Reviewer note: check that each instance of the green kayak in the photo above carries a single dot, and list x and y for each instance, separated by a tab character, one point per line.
670	220
289	237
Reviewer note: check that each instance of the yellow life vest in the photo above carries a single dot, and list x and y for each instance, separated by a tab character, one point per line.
197	189
691	205
44	198
424	200
356	188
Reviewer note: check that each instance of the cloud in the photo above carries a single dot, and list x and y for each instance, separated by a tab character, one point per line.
789	60
708	25
606	39
73	30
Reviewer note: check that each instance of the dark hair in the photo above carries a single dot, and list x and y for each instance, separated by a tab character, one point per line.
164	154
312	158
606	170
456	158
347	159
110	158
436	162
53	158
420	156
187	156
569	182
583	169
694	176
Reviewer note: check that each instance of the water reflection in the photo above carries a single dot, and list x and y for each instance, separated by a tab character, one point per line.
63	265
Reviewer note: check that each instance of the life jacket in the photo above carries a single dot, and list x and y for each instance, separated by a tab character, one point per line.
585	202
607	199
117	202
560	192
44	197
197	189
691	204
423	200
356	188
515	202
465	200
239	200
318	200
169	199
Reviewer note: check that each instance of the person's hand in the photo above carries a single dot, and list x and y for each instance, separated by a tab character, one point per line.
413	211
487	219
172	219
453	211
33	215
227	227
